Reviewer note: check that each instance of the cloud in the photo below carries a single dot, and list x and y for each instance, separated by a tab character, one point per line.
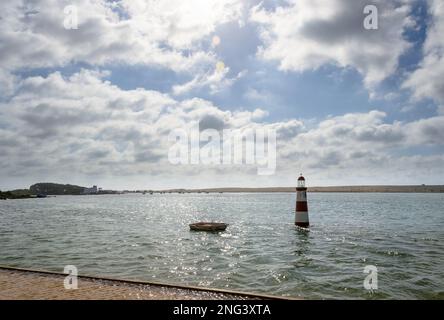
360	143
171	35
8	83
305	35
83	125
62	122
428	131
427	81
180	24
215	79
212	122
158	33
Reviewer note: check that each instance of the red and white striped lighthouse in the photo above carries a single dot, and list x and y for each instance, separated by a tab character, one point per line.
301	204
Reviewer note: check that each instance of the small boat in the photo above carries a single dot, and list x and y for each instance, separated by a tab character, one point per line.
208	226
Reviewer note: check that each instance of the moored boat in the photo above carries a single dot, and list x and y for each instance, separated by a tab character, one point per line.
208	226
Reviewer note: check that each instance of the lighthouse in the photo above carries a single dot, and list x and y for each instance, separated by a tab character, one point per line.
301	204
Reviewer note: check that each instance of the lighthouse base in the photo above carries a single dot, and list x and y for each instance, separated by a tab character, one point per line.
302	224
301	219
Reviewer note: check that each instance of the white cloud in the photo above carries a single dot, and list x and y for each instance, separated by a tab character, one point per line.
83	126
354	134
8	83
428	81
181	23
258	95
307	34
358	147
166	34
215	79
130	32
61	123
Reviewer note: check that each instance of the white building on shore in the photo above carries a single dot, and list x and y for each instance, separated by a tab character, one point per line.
92	190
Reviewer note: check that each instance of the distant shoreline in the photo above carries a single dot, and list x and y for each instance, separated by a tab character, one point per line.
26	193
361	189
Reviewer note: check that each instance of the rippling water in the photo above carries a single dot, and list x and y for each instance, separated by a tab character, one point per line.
146	237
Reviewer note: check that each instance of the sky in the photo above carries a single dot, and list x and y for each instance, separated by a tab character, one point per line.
91	90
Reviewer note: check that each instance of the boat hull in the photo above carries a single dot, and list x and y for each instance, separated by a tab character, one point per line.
208	226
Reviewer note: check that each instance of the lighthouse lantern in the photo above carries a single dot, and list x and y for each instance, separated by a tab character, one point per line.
301	182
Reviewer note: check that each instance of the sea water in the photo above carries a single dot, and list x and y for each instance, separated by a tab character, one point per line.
146	237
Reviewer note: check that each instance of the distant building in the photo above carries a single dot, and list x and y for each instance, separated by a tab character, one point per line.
92	190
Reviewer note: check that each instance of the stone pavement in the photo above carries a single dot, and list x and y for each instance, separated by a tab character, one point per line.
24	285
